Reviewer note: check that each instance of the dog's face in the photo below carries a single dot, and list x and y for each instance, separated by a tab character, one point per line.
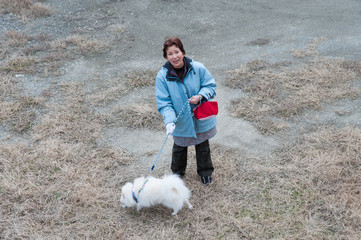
126	197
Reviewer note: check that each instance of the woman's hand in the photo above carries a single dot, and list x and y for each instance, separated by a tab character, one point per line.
170	128
195	99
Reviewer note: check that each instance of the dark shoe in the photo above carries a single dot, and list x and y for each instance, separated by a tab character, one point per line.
206	180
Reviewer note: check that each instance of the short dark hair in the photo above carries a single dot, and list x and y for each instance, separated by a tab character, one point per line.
168	42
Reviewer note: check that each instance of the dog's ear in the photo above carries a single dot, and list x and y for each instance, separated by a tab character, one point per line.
126	184
127	187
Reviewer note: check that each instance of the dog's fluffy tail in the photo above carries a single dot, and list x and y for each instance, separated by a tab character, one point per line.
175	191
176	184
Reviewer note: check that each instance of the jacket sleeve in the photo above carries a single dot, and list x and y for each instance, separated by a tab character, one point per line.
208	84
164	101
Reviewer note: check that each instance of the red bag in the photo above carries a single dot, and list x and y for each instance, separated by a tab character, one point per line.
206	110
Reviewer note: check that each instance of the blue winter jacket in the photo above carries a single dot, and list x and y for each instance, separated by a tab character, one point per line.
172	93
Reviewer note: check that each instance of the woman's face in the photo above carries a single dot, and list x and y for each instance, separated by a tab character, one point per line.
175	56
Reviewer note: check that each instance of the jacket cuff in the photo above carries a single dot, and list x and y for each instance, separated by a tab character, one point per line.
168	119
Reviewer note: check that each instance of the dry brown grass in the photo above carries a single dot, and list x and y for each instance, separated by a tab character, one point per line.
25	9
139	115
81	44
15	38
20	113
53	189
70	118
19	64
62	184
8	86
58	182
136	79
107	91
309	190
117	29
259	42
326	166
110	90
17	112
39	54
311	51
276	94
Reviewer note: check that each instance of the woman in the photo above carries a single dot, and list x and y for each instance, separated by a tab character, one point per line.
179	80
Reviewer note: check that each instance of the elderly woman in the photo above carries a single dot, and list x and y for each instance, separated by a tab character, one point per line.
179	80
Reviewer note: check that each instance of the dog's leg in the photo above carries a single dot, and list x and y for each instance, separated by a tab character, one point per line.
139	207
189	205
174	212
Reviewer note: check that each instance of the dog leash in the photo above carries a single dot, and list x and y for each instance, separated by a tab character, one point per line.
185	105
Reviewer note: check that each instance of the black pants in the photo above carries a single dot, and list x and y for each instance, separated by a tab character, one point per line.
203	156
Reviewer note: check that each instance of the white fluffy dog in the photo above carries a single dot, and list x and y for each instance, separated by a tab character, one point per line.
169	191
